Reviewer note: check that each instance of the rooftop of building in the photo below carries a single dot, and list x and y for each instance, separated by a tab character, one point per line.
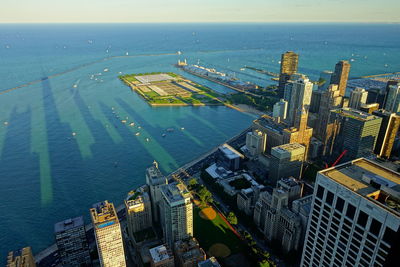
285	148
189	249
211	262
175	192
103	214
355	114
269	123
68	224
370	180
154	172
230	152
160	253
289	182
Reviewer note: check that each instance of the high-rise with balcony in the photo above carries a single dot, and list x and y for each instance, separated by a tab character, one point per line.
72	242
355	217
138	210
358	97
341	75
177	212
108	235
289	62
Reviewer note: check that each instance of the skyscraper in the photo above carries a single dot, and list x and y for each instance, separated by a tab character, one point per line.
280	110
392	102
341	76
300	99
289	61
355	217
387	133
138	210
386	91
155	179
369	108
177	212
108	235
21	258
358	97
72	242
354	131
330	99
325	79
286	161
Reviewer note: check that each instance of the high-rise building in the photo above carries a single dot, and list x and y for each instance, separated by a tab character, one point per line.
189	253
282	215
229	158
289	62
376	95
358	97
355	217
387	90
300	99
155	179
369	108
341	75
286	161
392	103
325	79
161	256
21	258
72	242
177	212
108	235
316	100
330	99
387	133
138	210
280	110
354	131
255	143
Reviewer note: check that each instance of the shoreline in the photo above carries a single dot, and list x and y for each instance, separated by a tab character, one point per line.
52	249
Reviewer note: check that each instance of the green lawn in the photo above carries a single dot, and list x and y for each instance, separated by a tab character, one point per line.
216	231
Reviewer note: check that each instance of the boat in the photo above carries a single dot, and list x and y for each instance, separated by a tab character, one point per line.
139	127
170	129
137	134
105	70
75	86
123	121
73	133
179	53
126	54
163	135
6	123
132	124
242	69
182	128
147	139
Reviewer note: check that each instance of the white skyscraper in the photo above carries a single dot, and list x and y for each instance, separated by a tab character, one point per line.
108	235
155	179
355	217
358	97
300	98
255	142
280	110
177	213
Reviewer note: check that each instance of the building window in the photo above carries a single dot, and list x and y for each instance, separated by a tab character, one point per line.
339	204
351	210
320	192
375	227
329	198
362	219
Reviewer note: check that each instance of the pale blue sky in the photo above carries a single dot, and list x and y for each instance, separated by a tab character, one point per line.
199	11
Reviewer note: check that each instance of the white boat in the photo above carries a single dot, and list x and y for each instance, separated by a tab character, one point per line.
75	86
170	129
242	69
163	135
123	121
105	70
73	133
137	134
147	139
179	53
131	124
6	123
139	127
126	54
183	128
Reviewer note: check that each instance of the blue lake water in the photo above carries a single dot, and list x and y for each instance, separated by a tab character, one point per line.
47	174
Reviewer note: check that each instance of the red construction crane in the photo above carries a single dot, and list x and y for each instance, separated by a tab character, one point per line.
337	160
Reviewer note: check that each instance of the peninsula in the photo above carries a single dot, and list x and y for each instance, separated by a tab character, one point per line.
170	89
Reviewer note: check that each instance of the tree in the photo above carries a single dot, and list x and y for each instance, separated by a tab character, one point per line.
193	183
205	195
232	218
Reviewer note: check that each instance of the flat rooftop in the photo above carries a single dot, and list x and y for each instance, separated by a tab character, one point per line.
369	180
230	152
355	114
68	224
160	253
103	214
268	122
154	172
175	192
